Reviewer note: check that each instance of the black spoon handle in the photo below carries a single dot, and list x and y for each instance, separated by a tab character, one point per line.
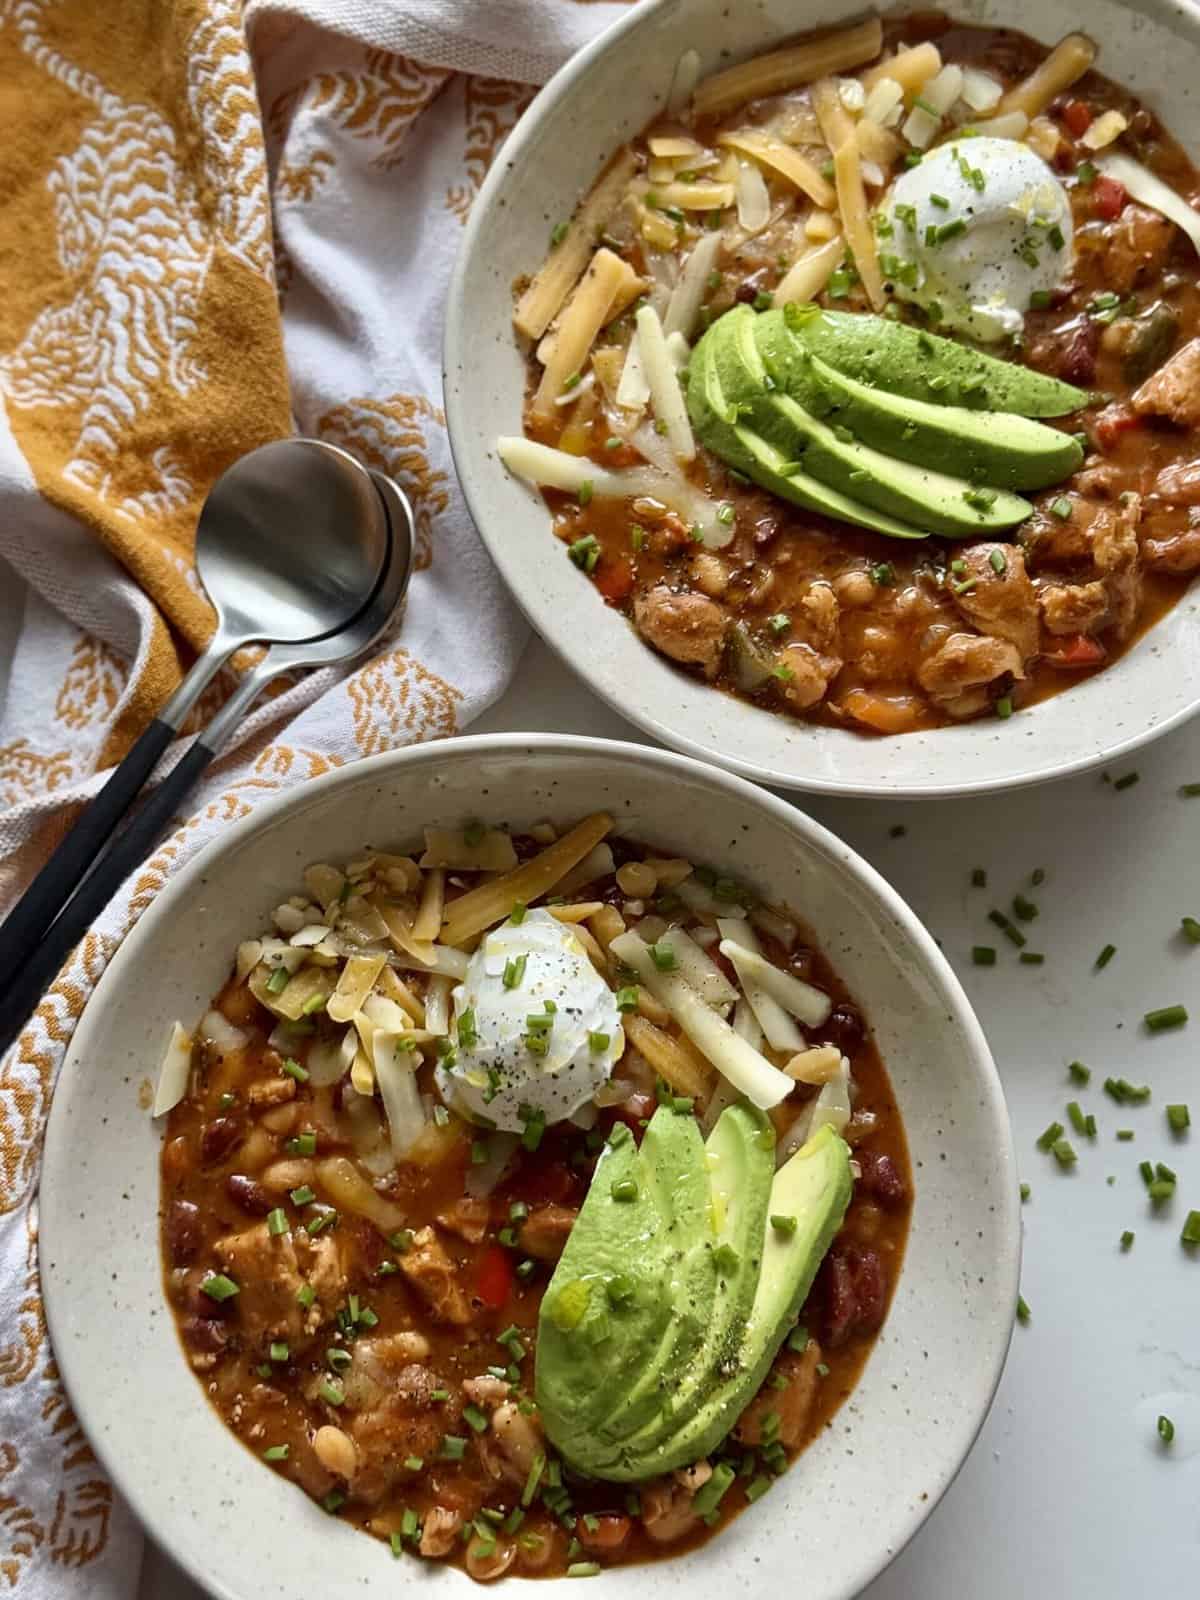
59	878
128	850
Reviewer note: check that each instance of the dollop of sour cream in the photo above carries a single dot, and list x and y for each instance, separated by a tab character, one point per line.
981	232
535	1029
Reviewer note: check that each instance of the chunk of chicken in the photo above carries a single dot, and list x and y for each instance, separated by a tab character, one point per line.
272	1091
687	627
1002	601
545	1231
468	1217
1178	484
1073	607
1137	244
792	1405
1174	390
1115	553
667	1510
270	1272
1176	551
710	574
406	1421
519	1438
808	674
967	661
486	1390
440	1531
815	620
433	1275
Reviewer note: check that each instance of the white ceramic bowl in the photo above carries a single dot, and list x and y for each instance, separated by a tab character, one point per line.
604	95
863	1488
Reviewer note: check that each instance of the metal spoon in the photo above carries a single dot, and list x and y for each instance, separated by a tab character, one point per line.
290	545
136	840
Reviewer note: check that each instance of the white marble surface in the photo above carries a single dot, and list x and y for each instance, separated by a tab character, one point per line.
1067	1492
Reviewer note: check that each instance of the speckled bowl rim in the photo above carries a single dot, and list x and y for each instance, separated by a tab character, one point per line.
1152	689
983	1324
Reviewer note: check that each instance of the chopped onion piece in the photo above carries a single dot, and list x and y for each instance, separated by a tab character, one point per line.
808	1005
482	1179
684	305
355	982
449	962
665	393
814	1066
1043	137
633	391
697	898
931	105
249	954
777	927
437	1005
709	982
397	1080
683	82
1009	125
309	936
831	1108
329	1060
1142	186
883	99
873	174
215	1025
385	1013
584	386
781	1032
175	1070
753	199
748	1071
851	93
1109	125
980	90
704	936
675	144
289	919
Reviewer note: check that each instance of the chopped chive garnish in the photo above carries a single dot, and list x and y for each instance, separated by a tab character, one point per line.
303	1196
1166	1429
453	1447
1053	1132
218	1287
1127	1239
1004	709
331	1392
307	1295
1061	508
558	233
278	981
1126	1093
999	920
1025	909
978	878
278	1351
627	998
277	1222
1124	1135
514	971
583	1569
304	1144
1127	780
1190	929
277	1452
467	1033
625	1189
1063	1152
1079	1073
1023	1311
475	1418
983	955
1075	1114
1165	1017
585	552
1189	791
1179	1118
1190	1233
598	1042
663	957
295	1070
1105	957
1032	958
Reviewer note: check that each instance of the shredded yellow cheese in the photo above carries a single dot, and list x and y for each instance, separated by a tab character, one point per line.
786	69
781	158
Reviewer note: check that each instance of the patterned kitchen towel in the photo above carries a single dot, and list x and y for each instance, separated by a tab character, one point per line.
214	226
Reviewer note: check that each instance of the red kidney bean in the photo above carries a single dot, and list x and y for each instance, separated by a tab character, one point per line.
880	1178
205	1334
220	1137
248	1194
844	1028
183	1233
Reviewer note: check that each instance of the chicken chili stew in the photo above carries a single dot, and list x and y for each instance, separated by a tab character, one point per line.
532	1201
864	382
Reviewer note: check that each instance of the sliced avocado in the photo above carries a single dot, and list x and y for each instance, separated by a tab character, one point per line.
903	360
832	455
814	1187
578	1372
715	421
998	448
674	1174
740	1161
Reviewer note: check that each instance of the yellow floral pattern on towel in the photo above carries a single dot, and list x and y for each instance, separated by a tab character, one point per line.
142	349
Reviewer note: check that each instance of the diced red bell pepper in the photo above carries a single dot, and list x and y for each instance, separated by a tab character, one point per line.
1075	651
1112	422
495	1279
614	579
1077	116
1108	198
